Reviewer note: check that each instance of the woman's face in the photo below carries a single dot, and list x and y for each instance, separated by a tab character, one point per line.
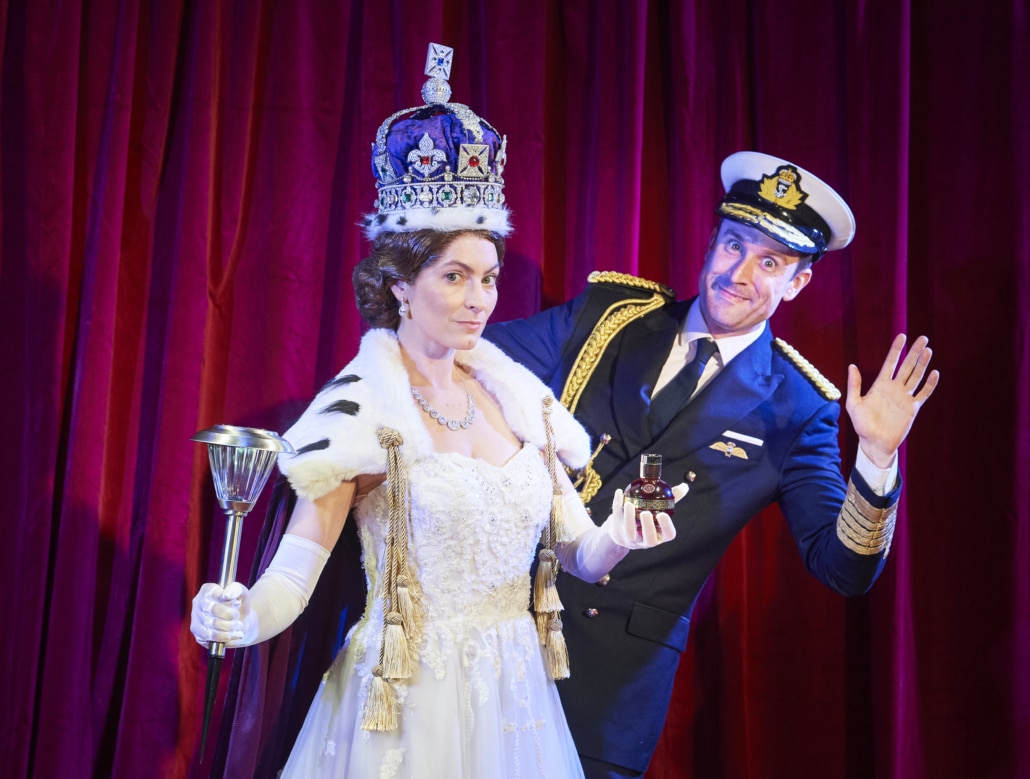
450	301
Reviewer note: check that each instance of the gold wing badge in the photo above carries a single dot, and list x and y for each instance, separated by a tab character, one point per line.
729	449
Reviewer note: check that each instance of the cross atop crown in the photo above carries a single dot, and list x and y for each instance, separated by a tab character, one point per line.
438	61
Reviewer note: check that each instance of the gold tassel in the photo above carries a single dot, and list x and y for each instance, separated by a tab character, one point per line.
559	527
396	658
410	606
556	651
404	604
399	591
546	602
558	530
545	594
380	709
542	620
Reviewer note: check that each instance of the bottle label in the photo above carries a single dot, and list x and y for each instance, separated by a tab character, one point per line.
658	504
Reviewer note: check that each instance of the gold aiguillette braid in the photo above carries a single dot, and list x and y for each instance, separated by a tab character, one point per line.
546	602
400	594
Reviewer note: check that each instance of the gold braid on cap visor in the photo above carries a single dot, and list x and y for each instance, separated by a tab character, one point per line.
782	231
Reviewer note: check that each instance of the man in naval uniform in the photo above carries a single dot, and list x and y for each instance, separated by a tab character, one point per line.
736	413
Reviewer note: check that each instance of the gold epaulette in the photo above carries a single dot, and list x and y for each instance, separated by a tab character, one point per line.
809	371
614	277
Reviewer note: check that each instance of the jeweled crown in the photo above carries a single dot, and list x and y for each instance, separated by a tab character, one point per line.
438	166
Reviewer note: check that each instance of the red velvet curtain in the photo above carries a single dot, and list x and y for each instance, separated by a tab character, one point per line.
180	184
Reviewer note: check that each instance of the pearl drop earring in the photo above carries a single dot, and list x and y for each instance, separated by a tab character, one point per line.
402	309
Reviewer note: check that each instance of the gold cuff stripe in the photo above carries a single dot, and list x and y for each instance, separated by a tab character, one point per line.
863	528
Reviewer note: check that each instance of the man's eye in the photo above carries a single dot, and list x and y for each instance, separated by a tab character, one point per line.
735	247
452	277
490	281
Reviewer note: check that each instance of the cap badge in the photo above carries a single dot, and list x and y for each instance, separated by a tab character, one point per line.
782	188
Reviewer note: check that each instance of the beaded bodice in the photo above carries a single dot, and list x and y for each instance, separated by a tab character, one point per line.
475	529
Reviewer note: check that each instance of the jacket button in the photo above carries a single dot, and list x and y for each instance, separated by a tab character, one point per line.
603	580
590	613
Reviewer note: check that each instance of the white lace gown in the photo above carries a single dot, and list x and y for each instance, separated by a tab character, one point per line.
481	704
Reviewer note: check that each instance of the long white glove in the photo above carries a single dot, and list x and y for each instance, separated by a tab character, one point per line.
596	550
239	617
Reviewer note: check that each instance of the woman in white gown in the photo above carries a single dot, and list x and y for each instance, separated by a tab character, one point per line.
448	453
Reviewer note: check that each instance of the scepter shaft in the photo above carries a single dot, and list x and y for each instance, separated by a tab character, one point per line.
241	460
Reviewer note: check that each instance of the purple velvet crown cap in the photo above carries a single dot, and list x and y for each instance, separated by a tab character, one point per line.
438	166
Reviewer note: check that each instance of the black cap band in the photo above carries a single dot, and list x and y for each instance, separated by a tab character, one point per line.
800	228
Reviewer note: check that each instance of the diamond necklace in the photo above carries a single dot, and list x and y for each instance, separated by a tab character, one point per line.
451	424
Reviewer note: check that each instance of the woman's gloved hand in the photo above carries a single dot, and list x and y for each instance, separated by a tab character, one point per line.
632	531
239	617
596	550
218	615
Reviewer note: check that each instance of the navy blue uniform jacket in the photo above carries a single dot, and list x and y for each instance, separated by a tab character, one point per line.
625	638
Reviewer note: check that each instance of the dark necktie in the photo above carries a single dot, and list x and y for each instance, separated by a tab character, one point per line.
675	395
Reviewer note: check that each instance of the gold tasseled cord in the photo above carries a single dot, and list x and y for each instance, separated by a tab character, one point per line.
401	596
546	602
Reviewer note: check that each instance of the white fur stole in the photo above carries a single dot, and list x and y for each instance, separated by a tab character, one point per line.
336	439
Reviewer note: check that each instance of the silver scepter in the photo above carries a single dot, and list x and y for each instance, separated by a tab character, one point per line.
241	461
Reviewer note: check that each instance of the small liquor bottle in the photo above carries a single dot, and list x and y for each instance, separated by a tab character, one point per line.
650	492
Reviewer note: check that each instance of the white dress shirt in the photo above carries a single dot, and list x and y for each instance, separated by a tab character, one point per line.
684	346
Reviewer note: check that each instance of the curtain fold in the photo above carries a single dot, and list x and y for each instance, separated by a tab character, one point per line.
181	186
